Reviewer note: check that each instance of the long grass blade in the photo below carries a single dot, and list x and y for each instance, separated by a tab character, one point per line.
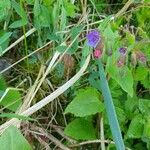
110	109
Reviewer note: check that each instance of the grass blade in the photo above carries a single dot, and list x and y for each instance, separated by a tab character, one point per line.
110	109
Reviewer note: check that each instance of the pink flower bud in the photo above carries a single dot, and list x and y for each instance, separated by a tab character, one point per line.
141	57
97	53
121	62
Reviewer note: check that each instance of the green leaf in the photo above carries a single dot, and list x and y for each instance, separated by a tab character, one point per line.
122	75
80	129
87	102
9	115
75	31
144	106
140	73
3	85
131	104
18	23
19	10
12	139
136	127
146	132
121	115
5	37
11	99
70	9
146	81
5	6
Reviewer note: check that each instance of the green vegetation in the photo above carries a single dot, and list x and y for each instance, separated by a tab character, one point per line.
53	90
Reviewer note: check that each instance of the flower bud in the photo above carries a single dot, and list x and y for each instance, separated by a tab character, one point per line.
97	53
141	57
123	51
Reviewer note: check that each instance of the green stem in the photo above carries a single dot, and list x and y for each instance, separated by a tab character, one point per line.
110	109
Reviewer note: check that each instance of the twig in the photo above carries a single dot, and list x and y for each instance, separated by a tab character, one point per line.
102	134
51	137
125	7
92	142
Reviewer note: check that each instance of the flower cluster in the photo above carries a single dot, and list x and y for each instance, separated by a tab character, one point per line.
94	40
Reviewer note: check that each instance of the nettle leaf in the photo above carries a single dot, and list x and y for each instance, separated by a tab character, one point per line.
144	106
70	8
146	81
81	129
11	99
140	73
12	139
87	102
122	75
131	104
136	127
5	6
146	132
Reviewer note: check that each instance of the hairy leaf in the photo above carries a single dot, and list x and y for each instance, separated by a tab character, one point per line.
87	102
80	129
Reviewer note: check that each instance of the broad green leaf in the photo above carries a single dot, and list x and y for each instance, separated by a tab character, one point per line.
144	106
11	99
12	139
146	81
70	8
140	73
5	6
41	17
80	129
131	104
122	75
136	127
121	115
146	132
87	102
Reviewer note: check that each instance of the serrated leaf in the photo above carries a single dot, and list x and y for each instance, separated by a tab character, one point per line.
136	127
140	73
144	106
11	99
131	104
70	9
5	6
12	139
80	129
146	132
87	102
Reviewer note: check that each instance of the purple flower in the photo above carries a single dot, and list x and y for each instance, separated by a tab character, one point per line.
93	38
123	50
